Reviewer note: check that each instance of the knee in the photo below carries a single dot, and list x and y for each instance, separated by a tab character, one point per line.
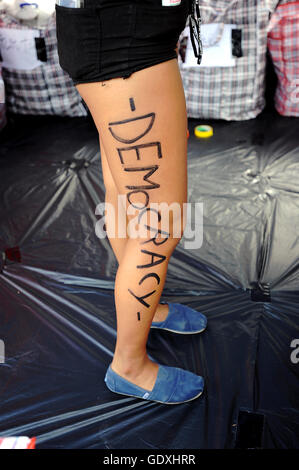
161	226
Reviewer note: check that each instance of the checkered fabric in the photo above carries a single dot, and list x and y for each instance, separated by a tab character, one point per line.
283	44
236	92
46	89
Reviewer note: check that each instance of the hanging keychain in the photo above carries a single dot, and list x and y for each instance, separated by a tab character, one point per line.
194	24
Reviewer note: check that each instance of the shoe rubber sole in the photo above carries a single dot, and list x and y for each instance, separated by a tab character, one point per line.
179	332
157	401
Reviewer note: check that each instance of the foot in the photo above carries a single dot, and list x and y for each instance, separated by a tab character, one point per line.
182	319
143	374
172	386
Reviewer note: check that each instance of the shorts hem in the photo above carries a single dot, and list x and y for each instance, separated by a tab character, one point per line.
125	74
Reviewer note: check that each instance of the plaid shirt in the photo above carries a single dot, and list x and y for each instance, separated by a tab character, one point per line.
46	89
237	92
283	44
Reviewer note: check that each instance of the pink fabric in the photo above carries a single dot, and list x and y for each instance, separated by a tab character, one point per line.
283	44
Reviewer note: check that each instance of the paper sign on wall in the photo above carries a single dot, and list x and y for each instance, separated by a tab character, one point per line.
216	55
17	47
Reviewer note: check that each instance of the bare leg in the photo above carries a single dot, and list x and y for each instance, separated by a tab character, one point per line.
143	124
118	244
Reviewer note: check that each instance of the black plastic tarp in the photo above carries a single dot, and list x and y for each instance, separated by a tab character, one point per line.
57	316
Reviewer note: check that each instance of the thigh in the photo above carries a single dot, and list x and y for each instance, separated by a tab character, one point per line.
142	122
109	182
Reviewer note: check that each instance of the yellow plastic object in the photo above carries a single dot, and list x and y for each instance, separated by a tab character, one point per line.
203	131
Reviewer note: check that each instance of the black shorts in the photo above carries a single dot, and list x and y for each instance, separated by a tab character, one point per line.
114	38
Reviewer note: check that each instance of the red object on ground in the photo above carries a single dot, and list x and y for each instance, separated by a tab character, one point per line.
17	442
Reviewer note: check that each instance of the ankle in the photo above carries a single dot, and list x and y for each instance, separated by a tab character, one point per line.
129	364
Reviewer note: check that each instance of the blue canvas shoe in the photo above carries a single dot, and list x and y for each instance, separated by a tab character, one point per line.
182	319
172	386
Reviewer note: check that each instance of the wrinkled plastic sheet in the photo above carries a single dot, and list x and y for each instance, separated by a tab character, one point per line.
57	315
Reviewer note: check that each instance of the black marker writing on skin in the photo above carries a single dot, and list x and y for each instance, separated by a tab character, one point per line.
151	169
137	149
140	298
153	255
132	104
155	275
148	227
119	130
137	191
151	117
